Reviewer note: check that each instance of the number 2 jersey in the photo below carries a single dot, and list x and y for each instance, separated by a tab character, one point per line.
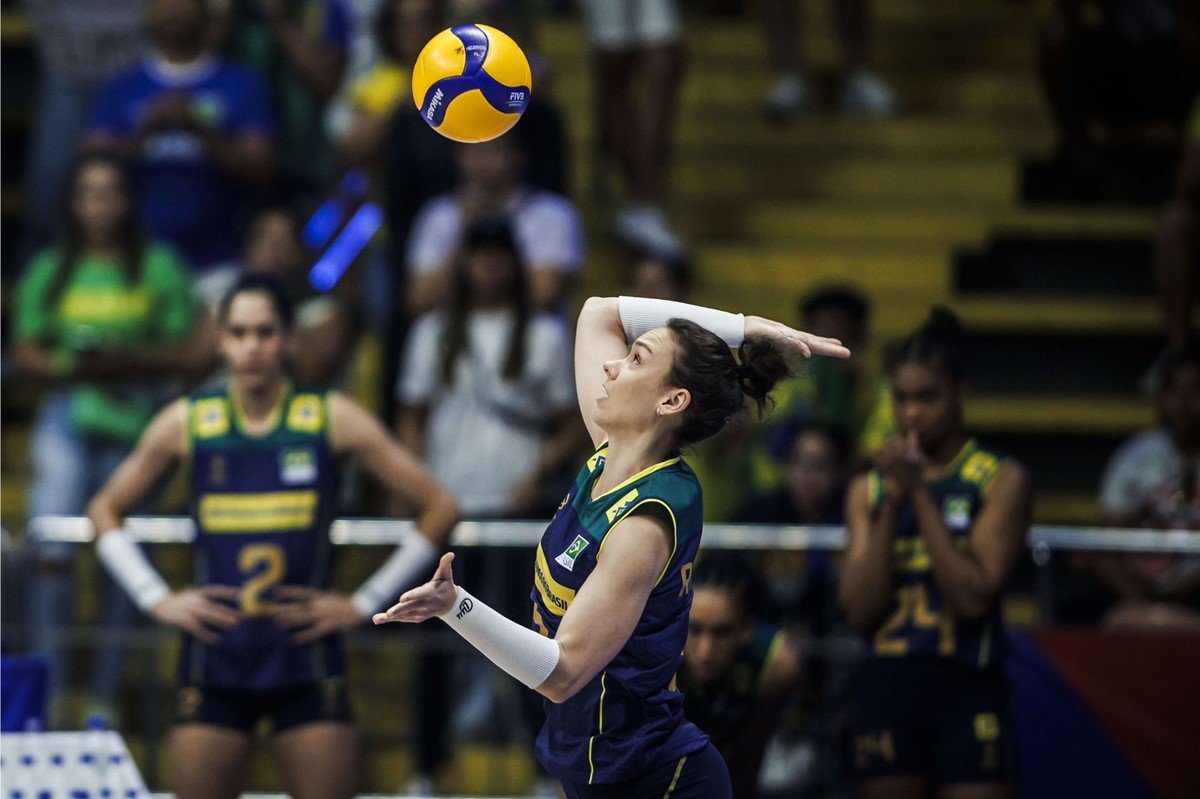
262	507
917	623
629	718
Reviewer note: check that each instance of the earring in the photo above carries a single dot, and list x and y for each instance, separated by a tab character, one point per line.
660	411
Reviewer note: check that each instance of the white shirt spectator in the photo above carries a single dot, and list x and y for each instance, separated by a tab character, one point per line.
546	227
485	433
1147	471
1145	477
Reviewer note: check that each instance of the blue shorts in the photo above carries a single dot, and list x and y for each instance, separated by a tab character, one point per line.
700	775
929	717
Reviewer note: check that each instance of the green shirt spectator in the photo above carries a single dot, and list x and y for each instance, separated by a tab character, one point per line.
96	308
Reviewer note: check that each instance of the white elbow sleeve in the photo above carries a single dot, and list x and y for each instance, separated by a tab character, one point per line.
639	314
128	565
523	653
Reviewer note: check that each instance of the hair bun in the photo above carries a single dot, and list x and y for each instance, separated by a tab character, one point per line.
943	325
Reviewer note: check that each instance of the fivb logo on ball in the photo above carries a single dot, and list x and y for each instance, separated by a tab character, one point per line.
471	83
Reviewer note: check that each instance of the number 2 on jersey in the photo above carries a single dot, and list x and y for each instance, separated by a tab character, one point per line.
251	560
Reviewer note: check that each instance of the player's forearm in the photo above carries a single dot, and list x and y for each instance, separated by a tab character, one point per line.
963	583
866	585
105	514
437	516
639	315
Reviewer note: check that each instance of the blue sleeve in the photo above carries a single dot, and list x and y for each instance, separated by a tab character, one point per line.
251	112
108	111
336	32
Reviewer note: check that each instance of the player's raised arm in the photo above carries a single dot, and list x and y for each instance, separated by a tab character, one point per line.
357	433
608	325
865	588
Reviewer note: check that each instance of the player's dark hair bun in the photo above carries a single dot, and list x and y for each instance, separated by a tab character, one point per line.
762	365
944	326
718	383
939	344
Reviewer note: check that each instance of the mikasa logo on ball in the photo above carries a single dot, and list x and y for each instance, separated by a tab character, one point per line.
434	102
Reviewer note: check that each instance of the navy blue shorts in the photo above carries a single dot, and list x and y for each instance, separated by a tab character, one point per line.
700	775
326	700
934	718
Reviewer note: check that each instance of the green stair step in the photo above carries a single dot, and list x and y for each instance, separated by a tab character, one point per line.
1075	414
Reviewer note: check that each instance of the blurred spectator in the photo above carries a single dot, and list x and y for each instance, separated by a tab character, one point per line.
661	277
815	460
1177	243
813	492
197	128
852	396
301	47
487	397
402	29
863	92
545	226
738	673
100	316
80	44
1153	481
326	326
486	388
1125	64
640	66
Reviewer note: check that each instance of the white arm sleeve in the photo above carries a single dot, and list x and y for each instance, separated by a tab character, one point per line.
639	315
129	566
383	587
523	653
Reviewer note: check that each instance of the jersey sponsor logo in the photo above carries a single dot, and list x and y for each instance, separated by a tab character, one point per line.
210	418
956	510
305	414
280	511
464	608
555	596
621	506
567	558
298	466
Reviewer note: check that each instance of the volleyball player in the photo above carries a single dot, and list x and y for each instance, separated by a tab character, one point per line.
934	531
738	670
609	629
261	627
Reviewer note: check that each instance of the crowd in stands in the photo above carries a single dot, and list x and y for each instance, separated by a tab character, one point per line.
205	136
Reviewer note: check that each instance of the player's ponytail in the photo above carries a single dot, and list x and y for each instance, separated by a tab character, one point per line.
762	365
718	383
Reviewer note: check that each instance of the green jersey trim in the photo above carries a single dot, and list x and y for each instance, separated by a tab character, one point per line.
634	479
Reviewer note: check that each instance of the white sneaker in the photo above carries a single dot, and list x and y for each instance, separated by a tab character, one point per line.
866	94
646	227
789	96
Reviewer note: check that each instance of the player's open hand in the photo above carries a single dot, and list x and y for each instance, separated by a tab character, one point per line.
806	344
434	598
198	610
313	614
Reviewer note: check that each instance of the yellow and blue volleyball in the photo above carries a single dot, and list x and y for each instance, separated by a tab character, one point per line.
471	83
